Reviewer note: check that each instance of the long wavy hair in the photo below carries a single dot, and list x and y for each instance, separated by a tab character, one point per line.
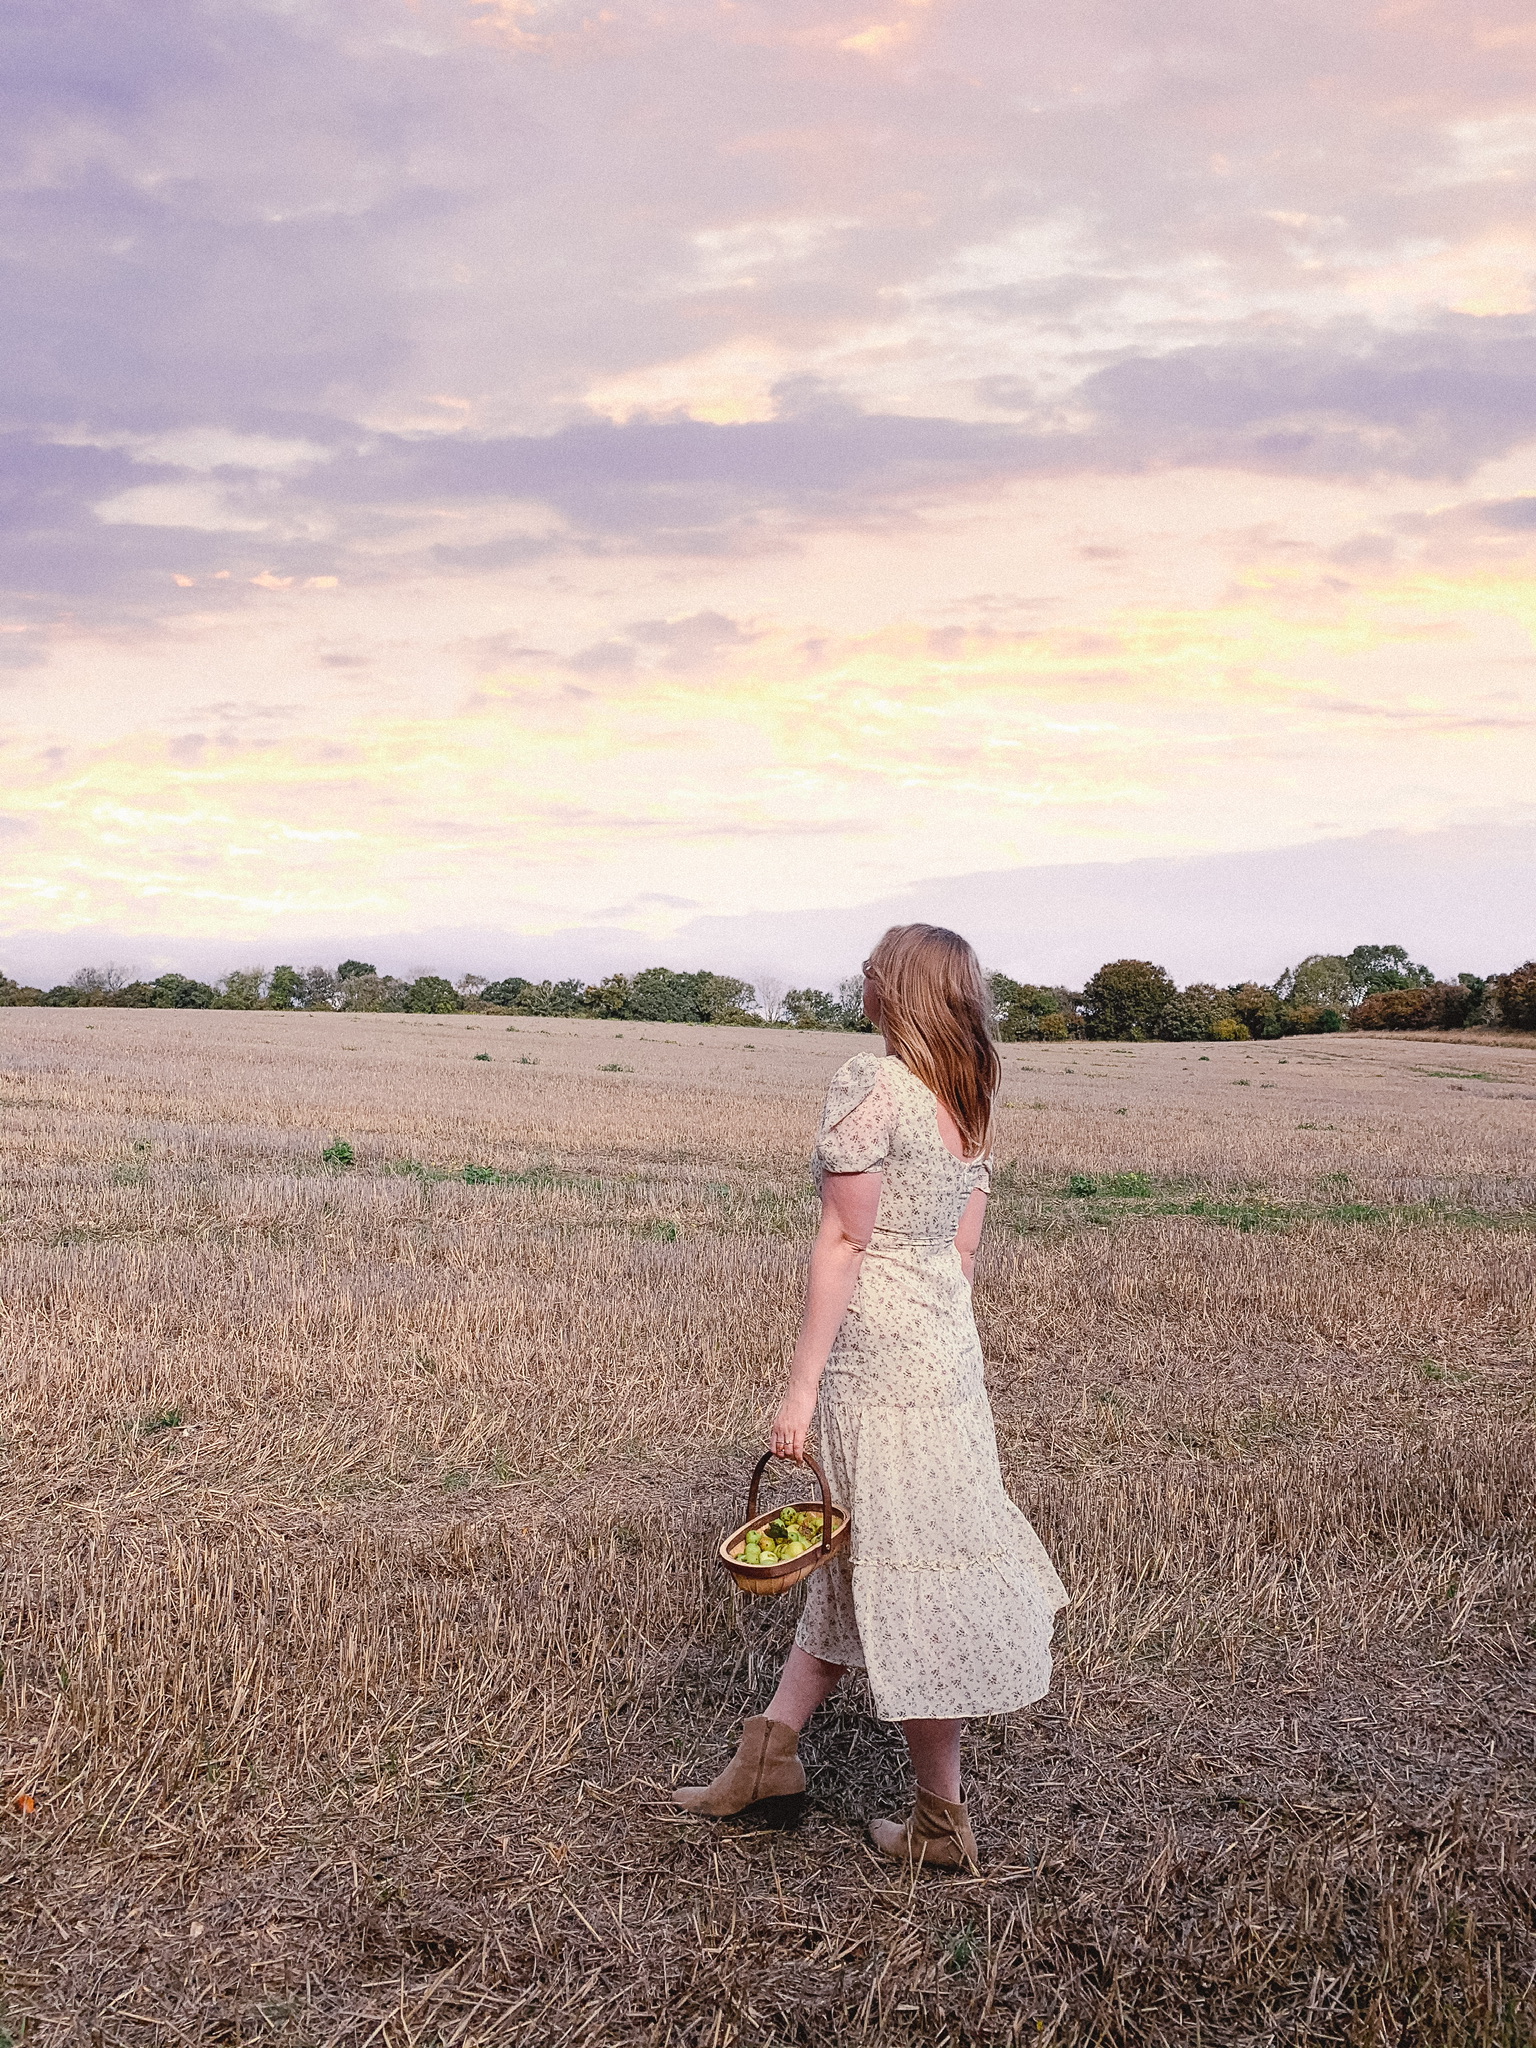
930	1002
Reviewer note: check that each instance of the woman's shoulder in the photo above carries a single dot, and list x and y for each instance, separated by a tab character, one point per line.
854	1079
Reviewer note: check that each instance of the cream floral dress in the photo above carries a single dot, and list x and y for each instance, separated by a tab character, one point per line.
945	1595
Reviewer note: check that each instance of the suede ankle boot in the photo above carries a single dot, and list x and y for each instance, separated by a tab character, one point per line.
937	1835
764	1779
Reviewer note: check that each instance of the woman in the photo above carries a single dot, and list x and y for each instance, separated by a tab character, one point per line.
945	1596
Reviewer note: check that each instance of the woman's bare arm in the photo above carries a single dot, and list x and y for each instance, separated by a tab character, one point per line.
972	1218
850	1203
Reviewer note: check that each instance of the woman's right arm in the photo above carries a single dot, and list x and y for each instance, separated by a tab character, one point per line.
850	1203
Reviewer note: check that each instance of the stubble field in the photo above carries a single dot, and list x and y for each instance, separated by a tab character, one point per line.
358	1611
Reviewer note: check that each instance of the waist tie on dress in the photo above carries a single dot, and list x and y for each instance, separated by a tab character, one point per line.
883	1238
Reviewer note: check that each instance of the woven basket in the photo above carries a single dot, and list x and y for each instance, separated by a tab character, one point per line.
773	1579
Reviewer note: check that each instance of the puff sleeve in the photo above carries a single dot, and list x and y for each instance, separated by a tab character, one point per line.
855	1132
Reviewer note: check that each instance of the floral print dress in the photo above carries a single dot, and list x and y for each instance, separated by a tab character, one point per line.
945	1595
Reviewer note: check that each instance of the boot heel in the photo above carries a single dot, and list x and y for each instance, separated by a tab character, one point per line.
785	1811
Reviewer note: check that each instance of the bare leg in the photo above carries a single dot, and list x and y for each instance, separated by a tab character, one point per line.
804	1683
934	1747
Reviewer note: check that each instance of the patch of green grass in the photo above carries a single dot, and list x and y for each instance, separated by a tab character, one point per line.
959	1949
1439	1375
613	1067
482	1055
1125	1187
339	1154
159	1422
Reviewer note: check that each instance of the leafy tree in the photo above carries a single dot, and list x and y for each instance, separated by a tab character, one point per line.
322	990
98	981
1126	998
549	999
180	992
607	998
374	992
63	996
1325	980
432	995
725	999
1227	1029
349	968
1515	994
286	989
1479	988
1374	970
812	1009
850	1000
503	994
658	995
241	989
1024	1010
16	995
1194	1012
1258	1007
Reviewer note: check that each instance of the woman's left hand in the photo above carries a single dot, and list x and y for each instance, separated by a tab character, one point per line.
791	1426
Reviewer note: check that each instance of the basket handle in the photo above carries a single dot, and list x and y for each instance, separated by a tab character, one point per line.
821	1480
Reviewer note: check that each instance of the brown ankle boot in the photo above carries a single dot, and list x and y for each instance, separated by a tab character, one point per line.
764	1779
937	1835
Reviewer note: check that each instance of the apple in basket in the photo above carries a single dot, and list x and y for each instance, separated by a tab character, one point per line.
791	1533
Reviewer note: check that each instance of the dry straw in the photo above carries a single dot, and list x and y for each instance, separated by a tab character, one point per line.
359	1595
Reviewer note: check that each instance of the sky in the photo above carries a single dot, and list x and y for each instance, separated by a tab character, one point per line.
554	469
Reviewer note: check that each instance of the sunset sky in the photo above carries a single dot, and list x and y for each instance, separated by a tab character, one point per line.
531	466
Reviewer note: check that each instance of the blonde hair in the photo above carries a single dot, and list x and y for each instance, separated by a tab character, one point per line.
931	1004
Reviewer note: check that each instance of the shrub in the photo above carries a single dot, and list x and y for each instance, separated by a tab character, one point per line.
1515	994
1054	1026
1443	1004
339	1153
1226	1029
1302	1019
16	995
1126	998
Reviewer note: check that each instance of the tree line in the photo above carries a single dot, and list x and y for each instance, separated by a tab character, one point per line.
1373	988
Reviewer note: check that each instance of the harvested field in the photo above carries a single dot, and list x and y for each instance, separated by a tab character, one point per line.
357	1602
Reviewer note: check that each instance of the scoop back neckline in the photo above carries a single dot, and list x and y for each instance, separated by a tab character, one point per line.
959	1158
